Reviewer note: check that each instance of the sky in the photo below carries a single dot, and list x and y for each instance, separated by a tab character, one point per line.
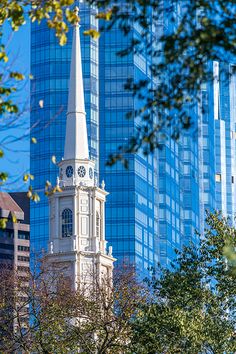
15	141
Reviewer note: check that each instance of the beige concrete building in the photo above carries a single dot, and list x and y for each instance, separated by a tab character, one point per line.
14	239
15	252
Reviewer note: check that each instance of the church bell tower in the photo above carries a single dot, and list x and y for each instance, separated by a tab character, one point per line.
77	243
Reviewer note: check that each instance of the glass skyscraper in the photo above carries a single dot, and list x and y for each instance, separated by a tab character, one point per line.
132	210
50	65
217	140
155	205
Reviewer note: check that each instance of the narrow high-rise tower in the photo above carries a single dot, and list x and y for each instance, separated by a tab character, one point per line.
77	214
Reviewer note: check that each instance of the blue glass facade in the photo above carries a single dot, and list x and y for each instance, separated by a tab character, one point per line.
131	214
50	65
217	140
155	205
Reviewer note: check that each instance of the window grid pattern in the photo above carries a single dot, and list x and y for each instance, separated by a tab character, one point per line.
50	67
156	205
67	223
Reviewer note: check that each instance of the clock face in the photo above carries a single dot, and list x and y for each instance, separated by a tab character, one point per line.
90	172
81	171
69	171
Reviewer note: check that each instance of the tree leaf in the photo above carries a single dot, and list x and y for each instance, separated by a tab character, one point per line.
53	159
92	33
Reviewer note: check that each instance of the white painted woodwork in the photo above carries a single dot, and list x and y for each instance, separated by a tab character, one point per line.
83	251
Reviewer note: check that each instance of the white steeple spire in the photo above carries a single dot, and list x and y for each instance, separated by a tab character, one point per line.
76	142
77	244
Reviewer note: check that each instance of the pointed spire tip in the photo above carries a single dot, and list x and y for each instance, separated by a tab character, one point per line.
76	10
76	142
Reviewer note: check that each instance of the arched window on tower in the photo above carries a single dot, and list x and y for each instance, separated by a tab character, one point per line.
66	223
98	224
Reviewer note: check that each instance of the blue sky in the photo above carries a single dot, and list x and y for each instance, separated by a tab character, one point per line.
15	140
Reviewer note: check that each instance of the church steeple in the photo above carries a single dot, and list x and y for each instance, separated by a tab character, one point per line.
76	168
76	142
77	243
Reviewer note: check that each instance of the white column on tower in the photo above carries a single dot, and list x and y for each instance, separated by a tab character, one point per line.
57	217
75	221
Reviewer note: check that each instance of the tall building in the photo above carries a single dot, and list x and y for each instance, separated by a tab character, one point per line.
14	238
156	205
77	244
218	139
50	65
14	256
132	206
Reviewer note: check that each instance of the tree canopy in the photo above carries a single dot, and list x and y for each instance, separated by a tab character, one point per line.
188	308
194	304
42	312
180	38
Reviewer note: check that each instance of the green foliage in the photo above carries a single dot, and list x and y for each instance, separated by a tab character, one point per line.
194	305
27	177
14	218
6	104
32	195
54	160
33	140
92	33
3	223
17	76
3	56
58	14
191	307
49	189
106	16
199	32
230	255
180	58
3	177
64	320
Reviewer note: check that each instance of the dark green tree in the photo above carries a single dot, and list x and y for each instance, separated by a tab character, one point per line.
193	309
